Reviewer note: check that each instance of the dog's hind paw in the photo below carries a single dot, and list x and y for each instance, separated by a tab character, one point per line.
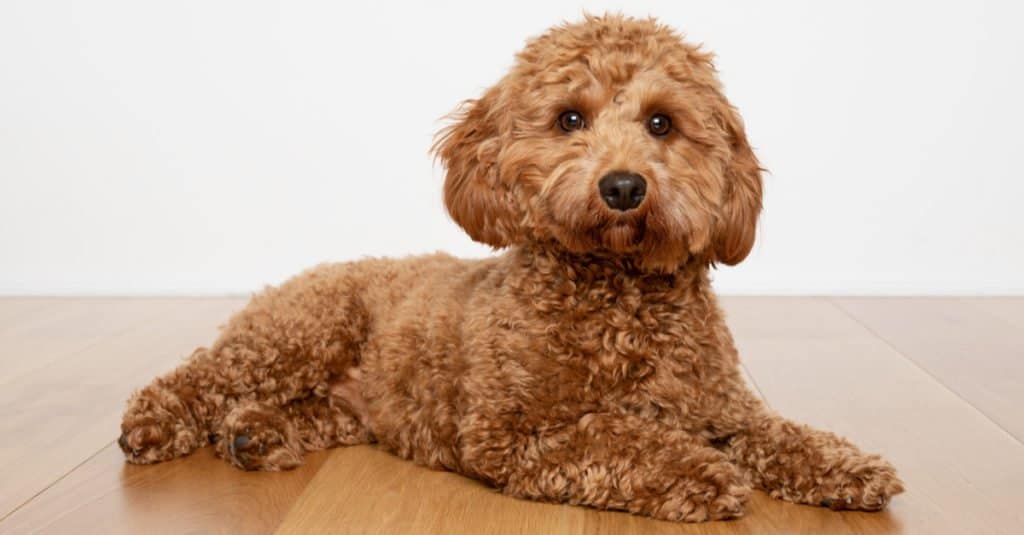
259	437
153	443
157	427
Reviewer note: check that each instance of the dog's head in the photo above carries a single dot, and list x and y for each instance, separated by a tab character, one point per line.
607	136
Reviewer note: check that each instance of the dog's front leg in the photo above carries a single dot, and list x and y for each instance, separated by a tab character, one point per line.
800	464
610	461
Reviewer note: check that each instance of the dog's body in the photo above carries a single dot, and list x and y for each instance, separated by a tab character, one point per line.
589	363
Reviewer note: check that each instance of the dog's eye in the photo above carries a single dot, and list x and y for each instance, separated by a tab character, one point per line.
659	124
571	120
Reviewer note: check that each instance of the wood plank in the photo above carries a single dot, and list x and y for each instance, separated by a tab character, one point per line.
811	361
13	310
965	343
818	365
363	490
64	409
1008	309
196	494
73	325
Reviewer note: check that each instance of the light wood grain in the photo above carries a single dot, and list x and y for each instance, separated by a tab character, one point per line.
54	335
363	490
197	494
66	407
1008	309
811	360
818	365
383	494
15	310
972	346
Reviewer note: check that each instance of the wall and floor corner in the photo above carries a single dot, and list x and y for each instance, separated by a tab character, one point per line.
210	148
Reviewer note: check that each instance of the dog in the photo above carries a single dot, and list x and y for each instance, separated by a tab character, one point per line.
589	363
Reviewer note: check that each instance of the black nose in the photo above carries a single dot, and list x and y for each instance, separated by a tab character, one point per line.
621	190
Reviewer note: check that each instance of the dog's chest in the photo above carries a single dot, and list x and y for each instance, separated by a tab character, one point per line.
629	352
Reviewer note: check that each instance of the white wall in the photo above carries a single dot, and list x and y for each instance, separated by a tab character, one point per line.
214	146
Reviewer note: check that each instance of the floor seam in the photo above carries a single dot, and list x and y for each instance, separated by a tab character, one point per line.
137	323
753	380
54	482
918	365
11	326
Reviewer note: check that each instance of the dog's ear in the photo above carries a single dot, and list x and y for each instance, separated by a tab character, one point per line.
736	226
476	197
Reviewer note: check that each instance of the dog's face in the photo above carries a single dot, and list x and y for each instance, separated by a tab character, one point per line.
609	136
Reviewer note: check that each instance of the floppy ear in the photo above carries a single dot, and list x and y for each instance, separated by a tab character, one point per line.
476	197
736	227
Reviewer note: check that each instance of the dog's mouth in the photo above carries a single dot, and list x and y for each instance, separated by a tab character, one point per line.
622	235
593	227
655	236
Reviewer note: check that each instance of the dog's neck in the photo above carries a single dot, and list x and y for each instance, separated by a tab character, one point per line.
550	273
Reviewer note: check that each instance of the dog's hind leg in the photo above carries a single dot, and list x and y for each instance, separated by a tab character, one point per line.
258	436
289	344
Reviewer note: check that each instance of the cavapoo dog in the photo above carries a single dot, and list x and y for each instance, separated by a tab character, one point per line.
589	364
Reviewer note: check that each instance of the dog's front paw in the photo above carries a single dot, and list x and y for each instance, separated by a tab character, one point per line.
868	485
259	437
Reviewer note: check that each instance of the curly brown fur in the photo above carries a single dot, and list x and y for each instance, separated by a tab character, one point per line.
589	364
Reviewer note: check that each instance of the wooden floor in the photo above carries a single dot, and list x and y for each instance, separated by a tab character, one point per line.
934	384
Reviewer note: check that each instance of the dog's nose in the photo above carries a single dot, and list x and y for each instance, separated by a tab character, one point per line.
621	190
